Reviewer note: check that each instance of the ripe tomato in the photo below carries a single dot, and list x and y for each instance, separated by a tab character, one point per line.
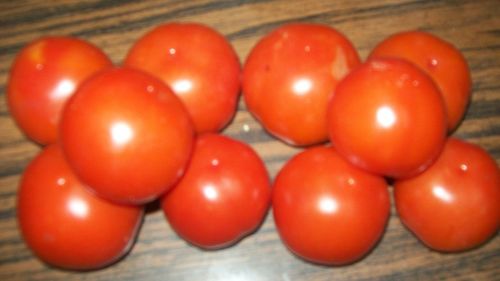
289	77
440	60
388	117
126	135
43	76
455	204
223	196
64	224
199	65
326	210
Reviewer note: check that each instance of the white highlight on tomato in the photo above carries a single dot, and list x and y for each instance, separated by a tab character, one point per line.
328	205
182	86
121	133
464	167
63	89
78	207
385	117
441	193
210	192
302	86
61	181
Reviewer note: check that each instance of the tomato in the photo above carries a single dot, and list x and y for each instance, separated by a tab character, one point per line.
289	77
388	117
64	224
43	76
126	135
200	66
455	204
326	210
223	196
439	59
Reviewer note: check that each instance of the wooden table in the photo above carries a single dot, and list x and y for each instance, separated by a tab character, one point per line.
473	26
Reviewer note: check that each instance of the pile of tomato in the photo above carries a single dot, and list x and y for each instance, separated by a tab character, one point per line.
118	137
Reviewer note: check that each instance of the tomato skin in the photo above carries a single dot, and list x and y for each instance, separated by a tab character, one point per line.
388	117
64	224
199	65
440	60
126	135
455	204
326	210
289	77
45	73
223	196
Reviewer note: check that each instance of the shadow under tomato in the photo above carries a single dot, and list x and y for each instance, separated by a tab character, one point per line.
152	207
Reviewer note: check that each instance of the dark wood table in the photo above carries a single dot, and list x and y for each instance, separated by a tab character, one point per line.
472	26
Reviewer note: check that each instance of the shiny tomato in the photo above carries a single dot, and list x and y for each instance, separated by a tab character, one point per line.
289	77
388	117
126	135
223	196
199	65
455	204
64	224
328	211
439	59
43	76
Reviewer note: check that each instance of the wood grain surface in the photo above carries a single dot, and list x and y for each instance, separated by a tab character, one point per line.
472	26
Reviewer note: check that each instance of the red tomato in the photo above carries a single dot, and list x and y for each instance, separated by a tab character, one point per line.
328	211
64	224
43	76
126	135
388	117
440	60
200	66
223	196
455	204
289	77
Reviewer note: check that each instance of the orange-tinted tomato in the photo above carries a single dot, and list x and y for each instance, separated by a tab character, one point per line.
199	65
440	60
289	77
43	76
126	135
455	204
64	224
388	117
223	196
328	211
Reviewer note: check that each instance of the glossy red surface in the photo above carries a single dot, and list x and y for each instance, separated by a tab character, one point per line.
224	195
198	64
289	76
388	117
127	135
64	224
326	210
455	204
43	76
440	60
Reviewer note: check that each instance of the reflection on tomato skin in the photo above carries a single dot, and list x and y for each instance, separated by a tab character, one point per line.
455	204
198	64
388	117
440	60
44	75
328	211
290	75
67	226
223	196
136	132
